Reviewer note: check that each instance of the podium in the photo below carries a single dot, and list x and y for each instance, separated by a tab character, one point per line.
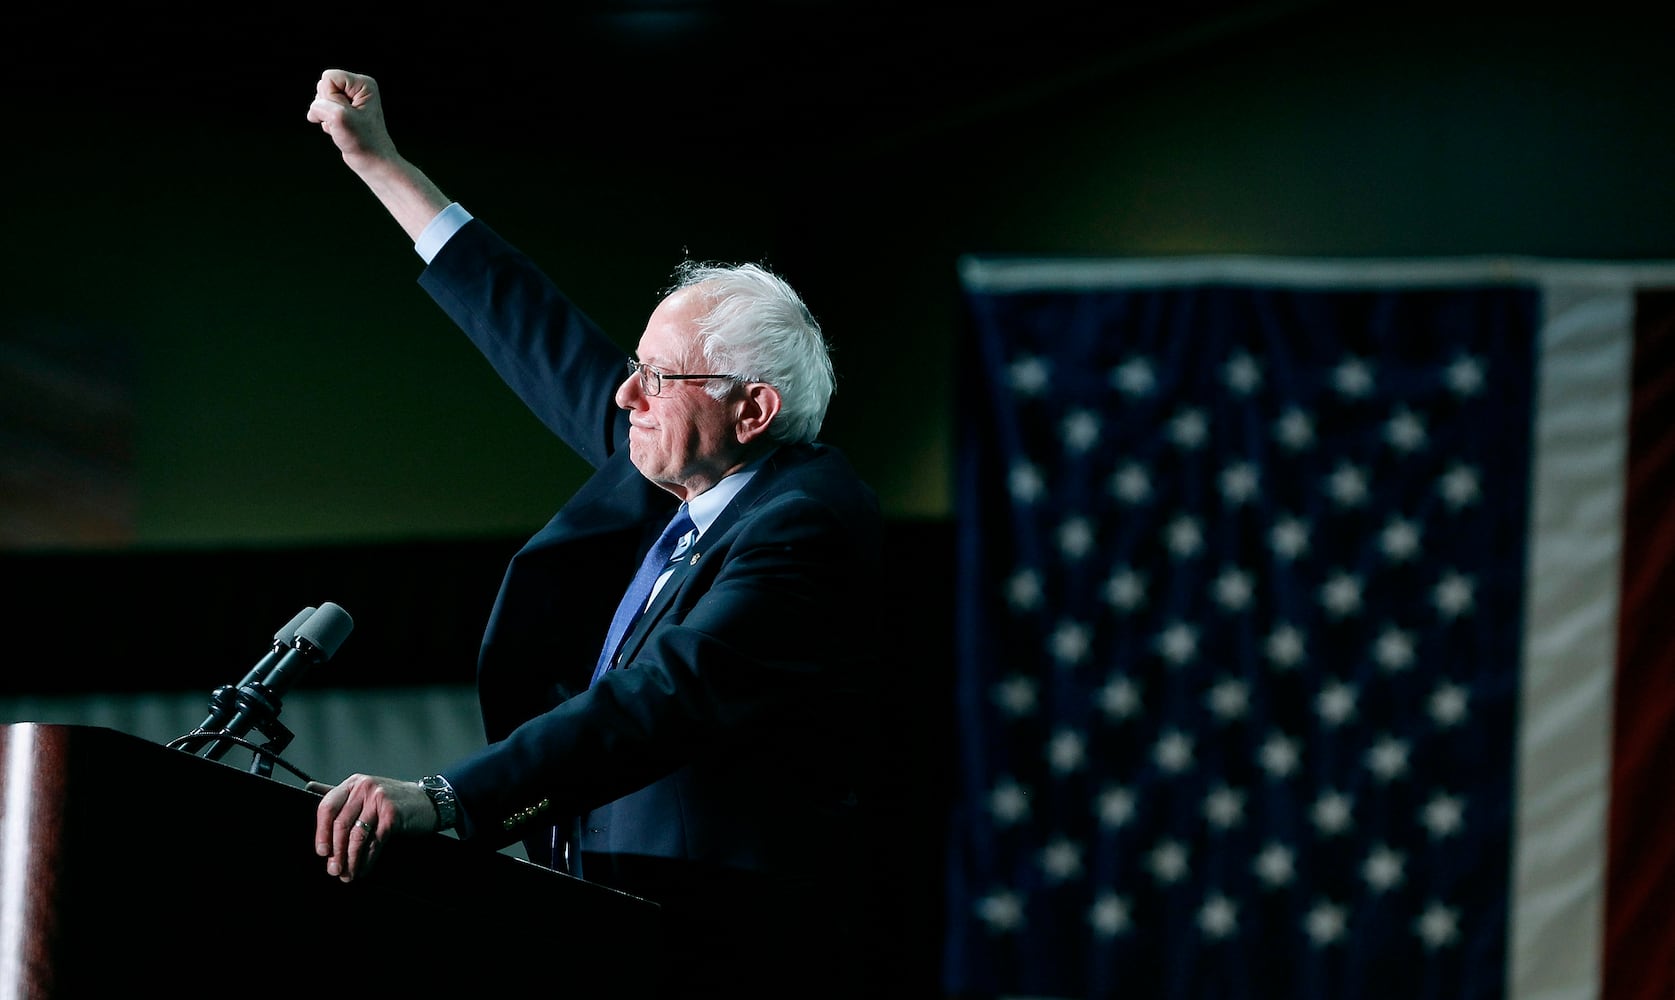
127	866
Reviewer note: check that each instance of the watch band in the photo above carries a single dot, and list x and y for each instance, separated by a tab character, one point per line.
443	799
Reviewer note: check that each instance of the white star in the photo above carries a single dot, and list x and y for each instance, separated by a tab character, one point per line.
1438	926
1109	915
1242	374
1228	699
1025	483
1061	860
1080	430
1275	866
1168	862
1453	595
1115	807
1347	485
1002	911
1023	590
1387	759
1279	756
1126	589
1294	430
1075	537
1066	752
1325	923
1289	537
1404	431
1070	642
1383	869
1335	703
1173	752
1189	429
1399	540
1341	595
1178	644
1448	704
1465	376
1284	647
1029	376
1224	807
1134	378
1008	802
1233	589
1238	483
1131	483
1353	378
1444	815
1120	698
1219	917
1393	649
1331	813
1016	695
1459	486
1184	536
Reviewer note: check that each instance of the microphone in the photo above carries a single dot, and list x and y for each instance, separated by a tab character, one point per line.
221	702
317	640
256	702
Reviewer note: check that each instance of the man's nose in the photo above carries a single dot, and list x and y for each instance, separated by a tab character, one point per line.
628	393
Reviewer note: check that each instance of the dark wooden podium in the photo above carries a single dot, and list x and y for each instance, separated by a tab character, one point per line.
127	866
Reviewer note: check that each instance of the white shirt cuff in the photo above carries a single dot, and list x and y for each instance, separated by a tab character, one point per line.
446	224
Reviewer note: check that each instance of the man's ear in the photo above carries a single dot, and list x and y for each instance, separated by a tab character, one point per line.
757	409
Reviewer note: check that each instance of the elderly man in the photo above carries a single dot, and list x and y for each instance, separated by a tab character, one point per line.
700	747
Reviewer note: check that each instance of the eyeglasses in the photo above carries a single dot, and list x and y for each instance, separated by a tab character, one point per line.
651	380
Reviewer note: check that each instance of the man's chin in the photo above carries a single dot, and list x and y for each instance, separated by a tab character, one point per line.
644	464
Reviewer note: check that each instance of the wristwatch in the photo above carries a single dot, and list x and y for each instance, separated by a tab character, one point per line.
443	798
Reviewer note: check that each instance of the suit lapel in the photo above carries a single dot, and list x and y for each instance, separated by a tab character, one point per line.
713	537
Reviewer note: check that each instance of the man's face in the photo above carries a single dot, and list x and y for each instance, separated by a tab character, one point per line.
680	439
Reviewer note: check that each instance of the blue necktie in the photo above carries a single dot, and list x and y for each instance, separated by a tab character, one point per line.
669	546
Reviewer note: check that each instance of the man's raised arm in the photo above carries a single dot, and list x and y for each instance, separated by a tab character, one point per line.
347	108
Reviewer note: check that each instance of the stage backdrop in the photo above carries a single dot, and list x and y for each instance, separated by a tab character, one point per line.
1313	630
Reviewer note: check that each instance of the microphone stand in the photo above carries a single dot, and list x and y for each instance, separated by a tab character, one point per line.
258	706
254	703
223	701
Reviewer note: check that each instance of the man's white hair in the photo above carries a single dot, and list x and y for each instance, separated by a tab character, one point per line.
755	327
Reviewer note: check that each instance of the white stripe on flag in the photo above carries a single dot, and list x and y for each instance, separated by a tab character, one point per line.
1564	751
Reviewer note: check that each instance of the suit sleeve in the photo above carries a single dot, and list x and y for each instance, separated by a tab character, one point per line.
556	359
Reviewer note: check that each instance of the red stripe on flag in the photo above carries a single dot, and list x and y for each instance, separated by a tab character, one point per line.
1639	946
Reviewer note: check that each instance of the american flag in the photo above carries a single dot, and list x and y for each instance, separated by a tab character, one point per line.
1307	630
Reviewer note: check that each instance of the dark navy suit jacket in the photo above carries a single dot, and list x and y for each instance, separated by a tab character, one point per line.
732	737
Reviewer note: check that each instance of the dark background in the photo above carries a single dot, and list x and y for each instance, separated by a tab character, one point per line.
289	419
